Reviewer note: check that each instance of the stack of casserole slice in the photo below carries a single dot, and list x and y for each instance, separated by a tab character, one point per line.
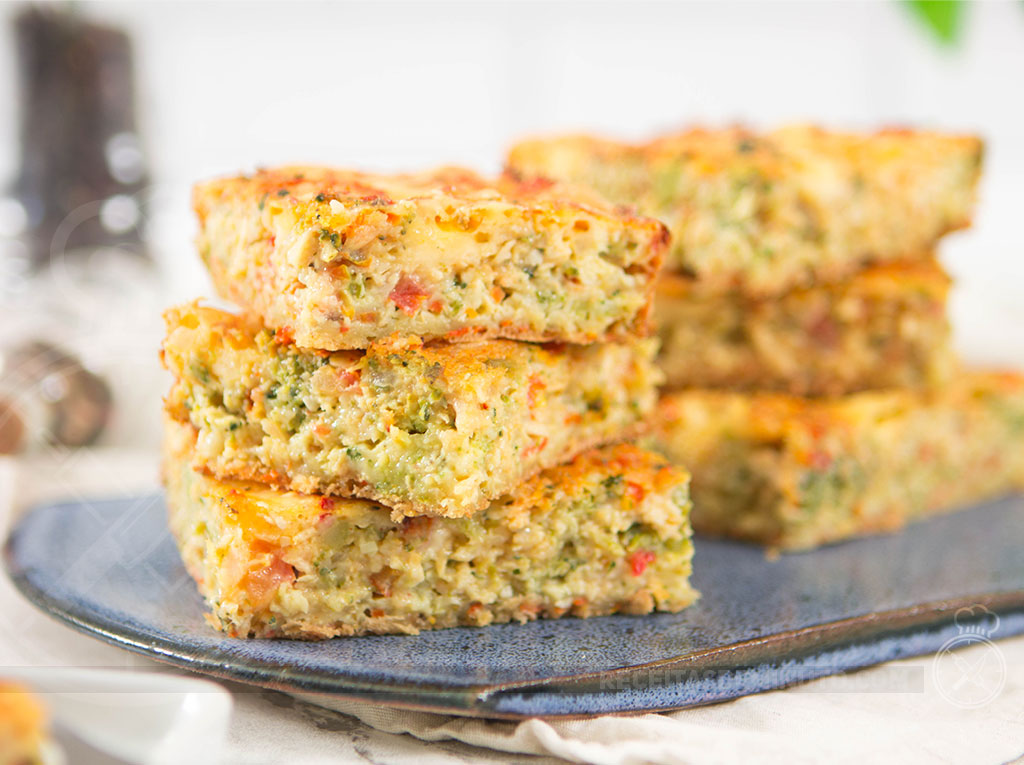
803	319
417	418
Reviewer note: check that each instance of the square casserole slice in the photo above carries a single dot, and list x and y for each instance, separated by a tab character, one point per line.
763	213
337	259
886	327
796	473
425	429
607	532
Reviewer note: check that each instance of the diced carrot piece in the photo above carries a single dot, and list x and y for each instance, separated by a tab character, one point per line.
261	584
408	294
635	492
640	560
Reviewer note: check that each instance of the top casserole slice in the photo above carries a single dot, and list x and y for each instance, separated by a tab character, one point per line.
335	259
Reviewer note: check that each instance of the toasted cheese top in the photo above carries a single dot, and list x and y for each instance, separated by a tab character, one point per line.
776	155
767	212
332	194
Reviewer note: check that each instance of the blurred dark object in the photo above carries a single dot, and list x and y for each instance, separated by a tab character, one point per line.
82	167
47	396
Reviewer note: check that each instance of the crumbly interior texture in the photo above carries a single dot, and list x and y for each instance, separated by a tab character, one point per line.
338	259
23	726
426	430
766	212
796	473
605	533
884	328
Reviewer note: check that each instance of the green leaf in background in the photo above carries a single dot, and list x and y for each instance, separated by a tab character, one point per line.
944	18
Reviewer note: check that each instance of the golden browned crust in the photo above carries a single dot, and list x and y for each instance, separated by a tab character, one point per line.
339	259
454	186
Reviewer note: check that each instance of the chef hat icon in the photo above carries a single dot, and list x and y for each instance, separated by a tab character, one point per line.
976	620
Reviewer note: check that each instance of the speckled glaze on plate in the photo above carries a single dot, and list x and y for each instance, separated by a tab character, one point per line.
111	570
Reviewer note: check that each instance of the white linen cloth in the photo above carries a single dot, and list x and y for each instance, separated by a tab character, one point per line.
895	712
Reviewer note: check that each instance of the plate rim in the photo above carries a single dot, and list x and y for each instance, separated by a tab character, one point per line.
485	699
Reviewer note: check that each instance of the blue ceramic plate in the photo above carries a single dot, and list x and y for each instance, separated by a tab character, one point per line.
111	570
